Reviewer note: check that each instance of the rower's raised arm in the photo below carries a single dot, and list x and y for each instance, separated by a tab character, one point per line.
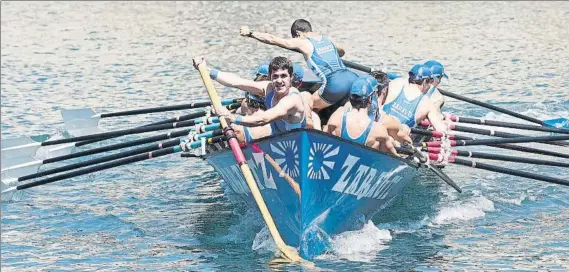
299	45
232	80
339	47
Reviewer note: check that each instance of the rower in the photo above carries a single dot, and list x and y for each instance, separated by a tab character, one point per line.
407	102
286	110
353	119
262	73
437	74
322	55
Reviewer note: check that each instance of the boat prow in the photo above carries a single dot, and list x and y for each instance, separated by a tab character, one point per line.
316	185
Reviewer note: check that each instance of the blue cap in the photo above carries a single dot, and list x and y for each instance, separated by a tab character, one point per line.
263	69
254	97
437	69
419	71
364	86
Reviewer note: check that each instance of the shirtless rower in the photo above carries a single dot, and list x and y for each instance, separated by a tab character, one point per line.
286	109
322	55
353	119
406	99
262	73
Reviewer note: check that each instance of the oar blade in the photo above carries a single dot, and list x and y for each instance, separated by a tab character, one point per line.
23	169
20	150
557	123
445	178
79	122
22	140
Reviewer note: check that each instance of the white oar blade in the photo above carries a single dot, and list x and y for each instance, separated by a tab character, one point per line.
7	184
9	162
23	169
80	122
29	149
22	140
55	151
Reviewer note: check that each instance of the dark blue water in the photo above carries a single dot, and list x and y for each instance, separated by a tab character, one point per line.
173	213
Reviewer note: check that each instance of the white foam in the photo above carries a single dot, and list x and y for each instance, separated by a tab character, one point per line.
475	208
264	242
360	245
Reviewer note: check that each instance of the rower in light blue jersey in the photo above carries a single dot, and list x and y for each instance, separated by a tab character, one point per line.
322	55
407	102
437	74
352	121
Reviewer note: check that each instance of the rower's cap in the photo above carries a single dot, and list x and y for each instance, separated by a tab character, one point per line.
437	69
419	71
254	97
263	69
364	86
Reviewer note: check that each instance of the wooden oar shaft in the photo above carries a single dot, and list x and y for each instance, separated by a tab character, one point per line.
495	123
508	171
240	158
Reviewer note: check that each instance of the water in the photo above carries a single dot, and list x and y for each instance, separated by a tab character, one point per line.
173	213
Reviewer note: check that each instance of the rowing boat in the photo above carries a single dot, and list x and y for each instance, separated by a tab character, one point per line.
315	185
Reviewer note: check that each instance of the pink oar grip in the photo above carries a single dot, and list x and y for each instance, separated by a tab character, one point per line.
425	123
234	144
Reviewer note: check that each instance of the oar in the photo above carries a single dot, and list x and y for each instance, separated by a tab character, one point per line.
554	123
491	132
212	131
504	170
191	115
497	141
480	121
407	149
7	193
106	135
85	119
32	166
286	250
503	146
482	155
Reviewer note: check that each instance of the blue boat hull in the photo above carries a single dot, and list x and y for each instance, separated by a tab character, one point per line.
342	184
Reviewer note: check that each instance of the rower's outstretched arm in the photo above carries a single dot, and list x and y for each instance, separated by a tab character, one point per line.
280	110
395	129
296	44
339	47
232	80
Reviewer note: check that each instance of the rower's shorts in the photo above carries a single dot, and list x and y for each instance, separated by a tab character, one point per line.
338	85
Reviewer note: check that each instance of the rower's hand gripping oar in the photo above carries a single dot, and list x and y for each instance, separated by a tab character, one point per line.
286	250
